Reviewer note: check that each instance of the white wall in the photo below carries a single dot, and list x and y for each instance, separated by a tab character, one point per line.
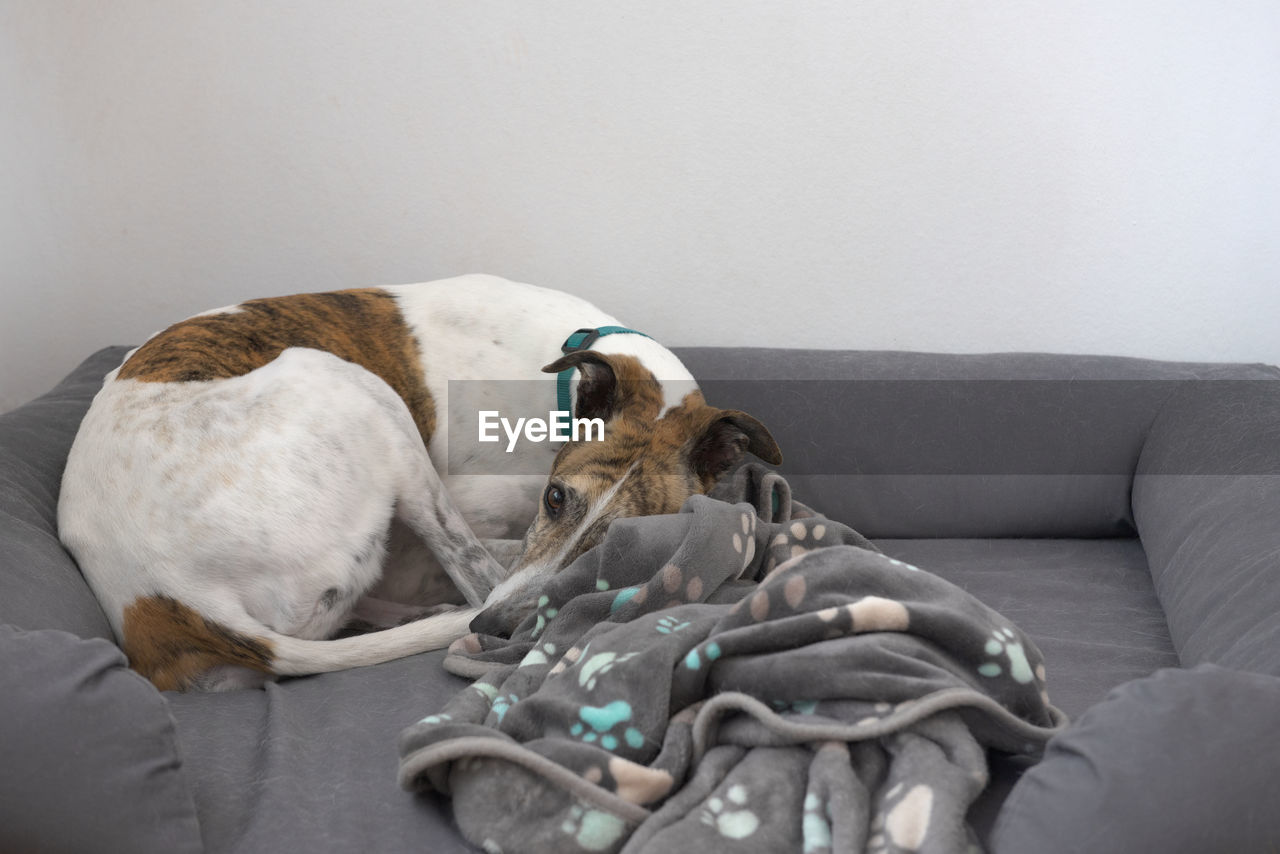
954	176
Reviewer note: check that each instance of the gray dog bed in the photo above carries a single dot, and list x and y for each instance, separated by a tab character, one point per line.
1117	515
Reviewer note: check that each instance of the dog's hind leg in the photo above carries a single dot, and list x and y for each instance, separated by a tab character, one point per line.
374	434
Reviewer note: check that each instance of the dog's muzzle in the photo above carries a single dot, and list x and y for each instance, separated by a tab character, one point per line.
510	603
498	621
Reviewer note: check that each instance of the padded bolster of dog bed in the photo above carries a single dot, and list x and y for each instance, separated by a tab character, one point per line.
914	445
1206	499
88	752
1180	761
40	585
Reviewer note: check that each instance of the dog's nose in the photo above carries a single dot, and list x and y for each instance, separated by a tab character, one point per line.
493	621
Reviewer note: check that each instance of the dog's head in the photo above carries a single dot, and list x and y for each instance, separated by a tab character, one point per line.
645	465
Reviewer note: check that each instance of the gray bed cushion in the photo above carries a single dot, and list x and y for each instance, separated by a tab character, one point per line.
291	737
319	757
990	445
40	585
329	762
1088	604
1182	761
88	758
1205	500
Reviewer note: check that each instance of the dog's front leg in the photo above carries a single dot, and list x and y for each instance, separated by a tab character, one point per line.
370	613
428	510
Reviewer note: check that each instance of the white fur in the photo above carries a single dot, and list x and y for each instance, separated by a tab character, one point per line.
251	499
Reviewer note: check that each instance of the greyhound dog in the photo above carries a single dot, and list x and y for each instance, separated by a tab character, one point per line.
252	479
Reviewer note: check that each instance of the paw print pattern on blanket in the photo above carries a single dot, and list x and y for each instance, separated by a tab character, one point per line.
570	658
816	825
592	829
693	660
539	655
794	540
598	665
489	692
670	625
545	615
678	586
502	704
599	722
903	823
638	592
729	816
437	719
801	537
1003	643
745	543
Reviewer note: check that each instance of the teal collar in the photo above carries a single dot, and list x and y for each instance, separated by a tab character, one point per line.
581	340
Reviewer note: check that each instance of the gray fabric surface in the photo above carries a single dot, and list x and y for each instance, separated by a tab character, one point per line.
253	761
1088	604
965	446
309	764
971	506
1210	528
1094	634
40	585
88	760
1182	762
655	661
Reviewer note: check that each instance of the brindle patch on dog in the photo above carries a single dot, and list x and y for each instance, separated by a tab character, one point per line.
662	447
612	385
363	326
644	467
171	644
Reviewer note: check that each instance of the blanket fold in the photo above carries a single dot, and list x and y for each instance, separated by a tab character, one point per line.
745	674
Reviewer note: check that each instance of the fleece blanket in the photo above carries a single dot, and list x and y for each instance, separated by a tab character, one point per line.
746	675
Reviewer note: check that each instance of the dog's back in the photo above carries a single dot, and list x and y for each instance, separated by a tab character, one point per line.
232	484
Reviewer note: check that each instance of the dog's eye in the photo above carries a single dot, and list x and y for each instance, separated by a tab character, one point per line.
554	499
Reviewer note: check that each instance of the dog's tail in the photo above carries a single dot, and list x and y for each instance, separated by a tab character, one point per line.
297	657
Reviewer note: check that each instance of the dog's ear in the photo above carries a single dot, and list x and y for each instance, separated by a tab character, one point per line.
610	385
725	438
597	383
